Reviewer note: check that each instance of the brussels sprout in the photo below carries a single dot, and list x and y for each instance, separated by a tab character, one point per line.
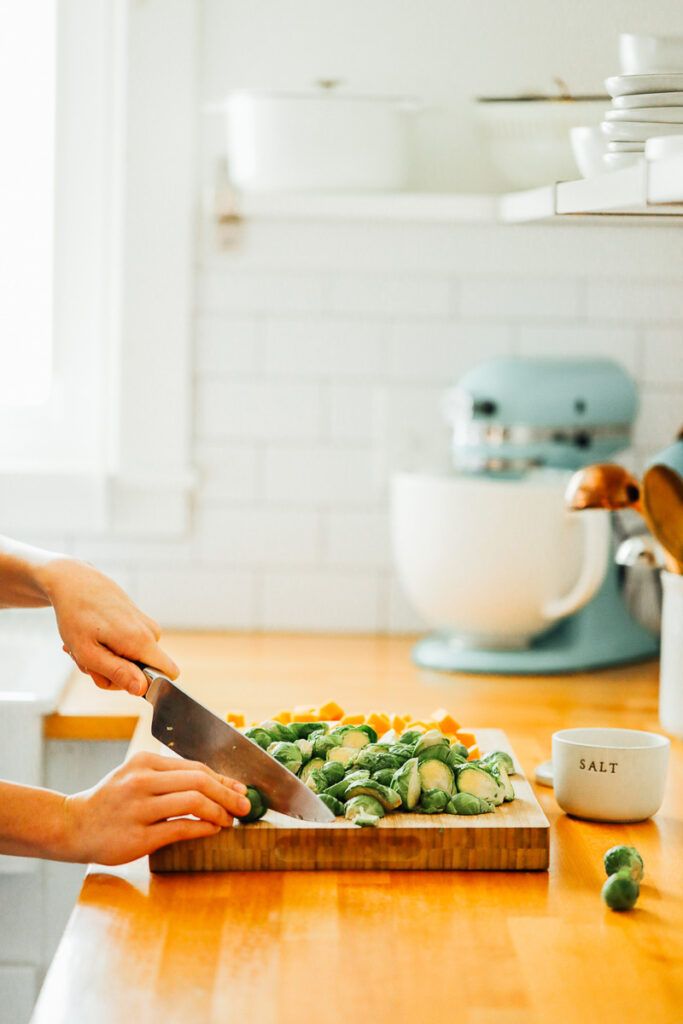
500	757
354	736
436	775
437	752
383	776
388	798
499	772
316	781
325	742
259	736
620	891
624	858
454	757
389	738
333	771
306	748
364	810
401	750
336	806
411	736
317	762
338	789
345	755
460	749
467	803
306	730
287	754
279	732
376	759
473	779
433	801
259	805
431	738
406	782
371	734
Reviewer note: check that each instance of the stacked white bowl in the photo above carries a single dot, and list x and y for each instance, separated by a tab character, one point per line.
647	97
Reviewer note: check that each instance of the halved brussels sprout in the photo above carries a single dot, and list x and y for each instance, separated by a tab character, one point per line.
383	776
306	730
461	749
388	798
345	755
455	757
401	750
336	806
436	775
324	743
501	757
468	803
429	740
375	759
333	771
499	772
371	734
473	779
437	752
259	736
259	805
433	801
306	748
287	754
355	736
406	782
364	810
316	781
411	735
317	762
279	732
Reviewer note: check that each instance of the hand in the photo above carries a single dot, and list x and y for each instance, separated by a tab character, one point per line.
102	630
126	815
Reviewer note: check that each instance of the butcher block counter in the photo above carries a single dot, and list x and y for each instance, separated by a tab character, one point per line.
476	947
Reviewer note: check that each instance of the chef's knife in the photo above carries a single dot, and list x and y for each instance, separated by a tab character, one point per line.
192	731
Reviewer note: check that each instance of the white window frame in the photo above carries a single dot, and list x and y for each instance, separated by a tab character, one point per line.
124	284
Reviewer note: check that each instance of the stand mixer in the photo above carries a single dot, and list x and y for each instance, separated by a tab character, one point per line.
493	537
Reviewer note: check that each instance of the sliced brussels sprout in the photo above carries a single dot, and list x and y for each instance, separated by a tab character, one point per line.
383	776
364	810
259	736
479	782
371	734
336	806
412	735
325	742
333	771
388	798
376	759
306	730
389	738
342	754
316	762
279	732
316	781
306	748
406	782
355	736
435	774
500	757
455	757
499	771
429	740
401	750
433	801
437	752
461	749
338	789
468	803
259	805
287	754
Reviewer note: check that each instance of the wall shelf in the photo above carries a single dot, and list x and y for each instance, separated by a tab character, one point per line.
648	189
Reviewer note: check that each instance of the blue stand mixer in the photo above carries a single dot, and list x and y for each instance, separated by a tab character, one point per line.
509	418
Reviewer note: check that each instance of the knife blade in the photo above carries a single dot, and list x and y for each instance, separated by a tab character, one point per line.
192	731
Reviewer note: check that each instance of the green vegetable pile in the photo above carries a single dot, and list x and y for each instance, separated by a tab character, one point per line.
624	868
362	778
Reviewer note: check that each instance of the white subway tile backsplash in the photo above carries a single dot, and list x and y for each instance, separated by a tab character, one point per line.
635	300
228	472
323	600
579	339
391	295
200	598
659	420
439	351
321	475
228	344
354	538
257	535
323	347
230	291
520	296
353	412
257	409
663	356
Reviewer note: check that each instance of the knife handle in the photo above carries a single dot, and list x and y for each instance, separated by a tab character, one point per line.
149	673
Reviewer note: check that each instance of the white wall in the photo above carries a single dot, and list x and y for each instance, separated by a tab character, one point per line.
321	350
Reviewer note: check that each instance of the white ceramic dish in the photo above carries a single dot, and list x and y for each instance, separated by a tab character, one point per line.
635	131
609	774
496	562
617	161
642	54
648	99
652	115
665	145
588	146
625	85
626	147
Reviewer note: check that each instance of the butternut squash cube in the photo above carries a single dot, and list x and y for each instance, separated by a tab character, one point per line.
331	712
445	722
235	718
283	717
379	722
466	738
304	716
473	753
353	719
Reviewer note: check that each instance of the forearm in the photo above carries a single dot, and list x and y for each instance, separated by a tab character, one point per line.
24	574
34	823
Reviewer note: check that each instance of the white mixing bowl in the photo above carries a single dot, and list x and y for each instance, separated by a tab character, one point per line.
496	562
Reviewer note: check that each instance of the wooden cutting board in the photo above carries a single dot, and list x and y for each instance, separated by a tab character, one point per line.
515	837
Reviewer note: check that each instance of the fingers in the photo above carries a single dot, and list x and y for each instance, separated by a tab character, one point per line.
192	801
165	832
161	763
200	781
118	673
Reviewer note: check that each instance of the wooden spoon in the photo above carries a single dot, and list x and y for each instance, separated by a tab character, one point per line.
663	511
603	485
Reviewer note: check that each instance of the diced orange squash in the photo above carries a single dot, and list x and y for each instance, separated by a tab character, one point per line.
331	712
305	716
466	738
473	752
445	722
353	719
398	724
379	722
283	717
235	718
407	718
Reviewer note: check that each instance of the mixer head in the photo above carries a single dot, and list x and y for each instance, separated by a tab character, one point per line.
512	414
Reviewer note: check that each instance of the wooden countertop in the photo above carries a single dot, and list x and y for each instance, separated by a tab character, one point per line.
476	947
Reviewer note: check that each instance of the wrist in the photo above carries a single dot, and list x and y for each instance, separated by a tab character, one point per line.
50	573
